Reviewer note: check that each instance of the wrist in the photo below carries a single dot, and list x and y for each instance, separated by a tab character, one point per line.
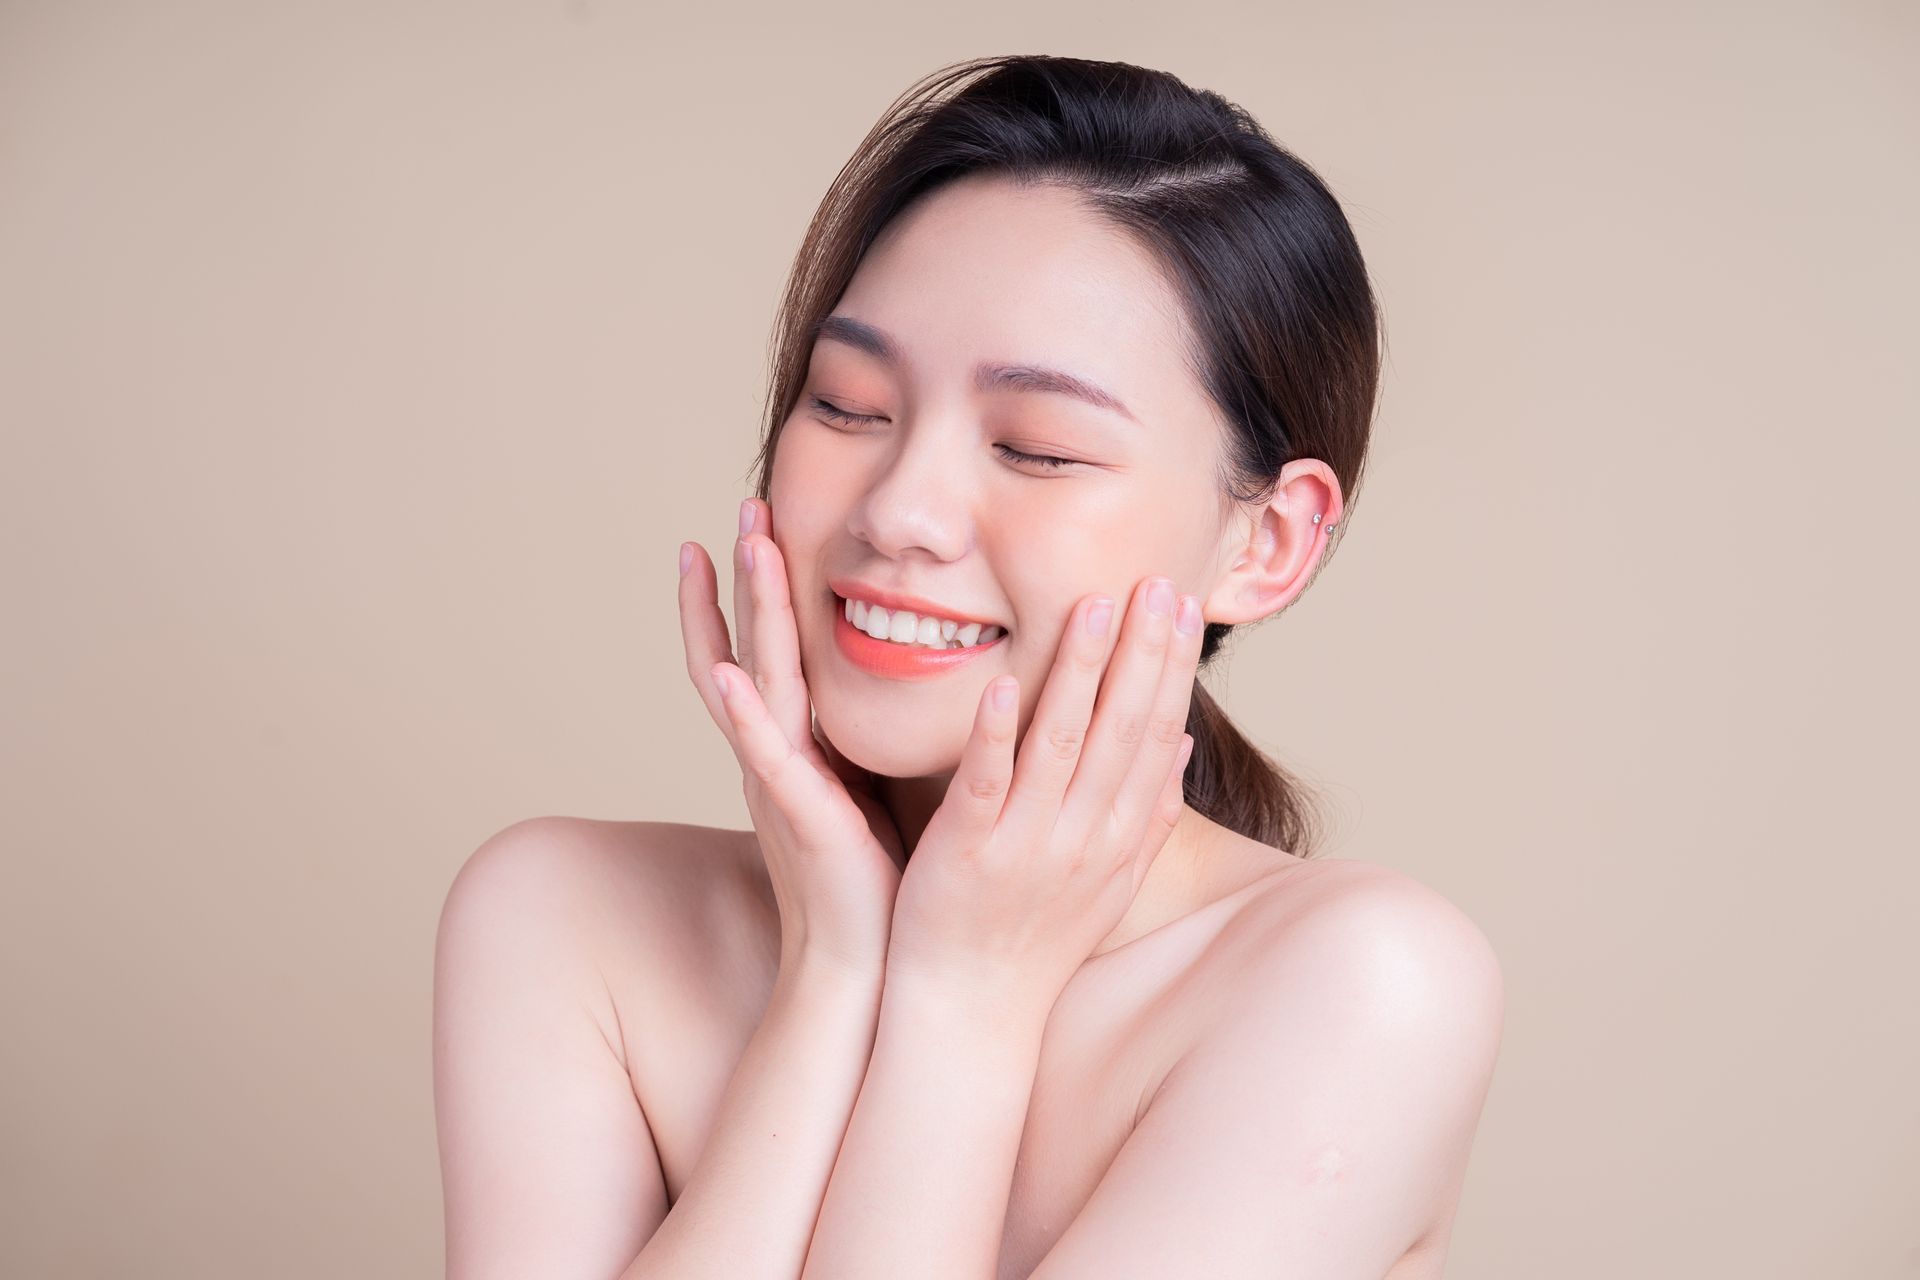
813	975
979	1001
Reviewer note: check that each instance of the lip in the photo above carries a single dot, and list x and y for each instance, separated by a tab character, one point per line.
900	661
853	589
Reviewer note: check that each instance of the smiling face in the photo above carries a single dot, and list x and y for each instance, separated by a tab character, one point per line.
925	493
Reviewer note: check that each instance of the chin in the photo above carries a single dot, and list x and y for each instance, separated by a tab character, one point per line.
865	738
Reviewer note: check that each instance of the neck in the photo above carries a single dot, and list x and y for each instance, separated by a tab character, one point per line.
911	803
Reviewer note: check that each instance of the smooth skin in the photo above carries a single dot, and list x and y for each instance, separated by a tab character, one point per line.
1017	868
1024	868
1290	1057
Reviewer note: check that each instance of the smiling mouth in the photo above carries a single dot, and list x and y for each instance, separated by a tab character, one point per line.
909	630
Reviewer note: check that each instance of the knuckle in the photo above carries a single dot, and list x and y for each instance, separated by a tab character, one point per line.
986	788
769	771
1063	739
1129	729
1169	732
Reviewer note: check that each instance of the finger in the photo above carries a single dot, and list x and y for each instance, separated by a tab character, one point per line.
1124	712
844	769
743	588
978	790
768	755
1172	802
1051	747
703	633
776	642
1166	724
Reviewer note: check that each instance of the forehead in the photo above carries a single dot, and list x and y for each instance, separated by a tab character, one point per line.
985	270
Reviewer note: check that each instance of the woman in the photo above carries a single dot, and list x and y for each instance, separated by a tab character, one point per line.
1074	374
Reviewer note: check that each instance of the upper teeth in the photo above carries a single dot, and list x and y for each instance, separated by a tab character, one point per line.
903	626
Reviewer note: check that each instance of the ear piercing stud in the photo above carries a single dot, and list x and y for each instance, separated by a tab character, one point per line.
1316	519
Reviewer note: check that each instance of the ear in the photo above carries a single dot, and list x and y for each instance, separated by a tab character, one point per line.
1271	549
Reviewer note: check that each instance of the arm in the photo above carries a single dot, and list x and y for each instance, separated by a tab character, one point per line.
1323	1124
1314	1132
549	1167
921	1184
748	1210
547	1163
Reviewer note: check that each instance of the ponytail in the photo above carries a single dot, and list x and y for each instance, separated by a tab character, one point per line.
1237	785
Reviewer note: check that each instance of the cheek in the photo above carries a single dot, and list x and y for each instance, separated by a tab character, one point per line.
811	479
806	500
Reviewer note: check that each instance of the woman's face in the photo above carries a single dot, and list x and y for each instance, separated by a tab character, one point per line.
926	498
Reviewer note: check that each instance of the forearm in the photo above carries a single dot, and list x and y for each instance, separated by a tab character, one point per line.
921	1184
748	1209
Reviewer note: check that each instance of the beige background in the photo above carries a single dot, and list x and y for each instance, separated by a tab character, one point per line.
363	364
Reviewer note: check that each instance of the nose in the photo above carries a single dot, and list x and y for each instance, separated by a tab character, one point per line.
921	500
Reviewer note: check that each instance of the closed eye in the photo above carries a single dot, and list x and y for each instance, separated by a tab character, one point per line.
1006	451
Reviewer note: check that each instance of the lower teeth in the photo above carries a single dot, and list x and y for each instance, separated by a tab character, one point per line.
930	648
915	644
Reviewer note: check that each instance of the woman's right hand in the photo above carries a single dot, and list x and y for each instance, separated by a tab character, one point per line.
832	852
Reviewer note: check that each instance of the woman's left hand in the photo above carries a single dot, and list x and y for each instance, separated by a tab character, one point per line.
1028	864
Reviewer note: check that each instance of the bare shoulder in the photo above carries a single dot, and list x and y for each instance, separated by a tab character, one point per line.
1381	1003
548	1161
619	896
1373	931
1319	1117
630	871
570	983
1400	996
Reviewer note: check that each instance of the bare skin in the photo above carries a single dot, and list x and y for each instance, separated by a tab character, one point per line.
672	949
649	1037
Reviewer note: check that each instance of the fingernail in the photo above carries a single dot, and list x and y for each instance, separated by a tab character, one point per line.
686	558
746	515
1099	615
746	554
1189	618
1160	597
720	680
1003	693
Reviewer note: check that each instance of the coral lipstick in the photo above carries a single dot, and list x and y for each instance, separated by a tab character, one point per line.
893	661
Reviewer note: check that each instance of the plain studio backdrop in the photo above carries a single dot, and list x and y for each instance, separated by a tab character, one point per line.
363	365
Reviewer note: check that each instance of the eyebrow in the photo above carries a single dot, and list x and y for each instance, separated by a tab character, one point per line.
987	376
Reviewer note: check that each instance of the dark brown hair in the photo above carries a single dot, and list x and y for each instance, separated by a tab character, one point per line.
1277	296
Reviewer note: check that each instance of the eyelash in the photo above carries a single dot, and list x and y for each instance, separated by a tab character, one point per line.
1006	451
